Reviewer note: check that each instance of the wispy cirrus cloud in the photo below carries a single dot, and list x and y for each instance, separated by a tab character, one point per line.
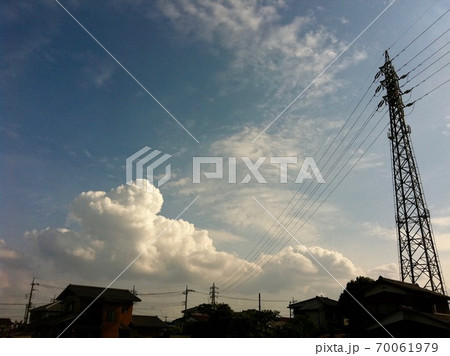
283	56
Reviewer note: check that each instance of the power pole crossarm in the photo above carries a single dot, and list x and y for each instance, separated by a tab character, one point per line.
419	263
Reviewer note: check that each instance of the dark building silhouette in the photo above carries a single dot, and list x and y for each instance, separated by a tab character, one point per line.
147	326
406	310
323	312
110	314
45	312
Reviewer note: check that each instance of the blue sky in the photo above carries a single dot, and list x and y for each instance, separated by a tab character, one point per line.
70	116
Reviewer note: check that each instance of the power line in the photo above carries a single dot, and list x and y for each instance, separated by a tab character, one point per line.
428	93
429	57
424	49
242	280
50	286
263	243
265	238
412	25
271	246
420	35
423	70
256	300
318	207
159	293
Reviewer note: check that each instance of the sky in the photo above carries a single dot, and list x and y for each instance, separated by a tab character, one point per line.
85	85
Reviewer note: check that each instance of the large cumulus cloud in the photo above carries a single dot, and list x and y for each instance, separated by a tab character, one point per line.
112	228
108	230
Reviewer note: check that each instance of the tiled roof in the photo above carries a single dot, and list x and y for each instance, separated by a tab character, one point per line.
110	294
408	287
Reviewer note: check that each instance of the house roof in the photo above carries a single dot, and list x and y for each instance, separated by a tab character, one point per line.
147	321
109	294
314	303
404	286
55	306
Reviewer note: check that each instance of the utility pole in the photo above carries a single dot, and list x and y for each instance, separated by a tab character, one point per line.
259	301
29	304
213	294
291	310
419	263
186	292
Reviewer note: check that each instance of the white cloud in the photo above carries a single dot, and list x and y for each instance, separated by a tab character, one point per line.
441	229
113	227
102	74
389	270
224	237
442	222
293	270
6	253
446	131
15	269
282	56
376	230
369	161
109	229
98	71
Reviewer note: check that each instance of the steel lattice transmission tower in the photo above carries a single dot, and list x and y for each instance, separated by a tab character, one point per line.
419	263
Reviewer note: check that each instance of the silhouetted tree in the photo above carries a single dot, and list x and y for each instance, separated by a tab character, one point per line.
351	309
222	321
300	326
254	323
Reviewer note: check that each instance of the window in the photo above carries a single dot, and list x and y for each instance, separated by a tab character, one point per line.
111	316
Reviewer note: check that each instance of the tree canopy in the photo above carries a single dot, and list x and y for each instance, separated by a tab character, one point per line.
351	308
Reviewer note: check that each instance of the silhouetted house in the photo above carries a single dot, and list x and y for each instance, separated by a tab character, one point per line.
45	312
323	312
109	315
406	310
147	326
192	315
